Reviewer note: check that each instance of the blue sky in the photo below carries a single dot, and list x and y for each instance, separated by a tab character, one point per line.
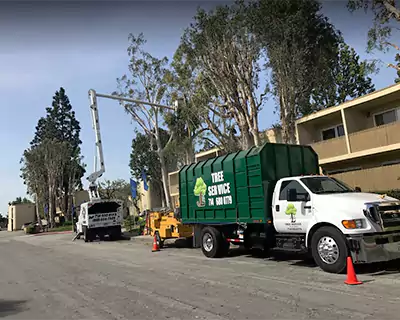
51	44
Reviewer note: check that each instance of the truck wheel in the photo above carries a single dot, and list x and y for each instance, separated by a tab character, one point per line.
211	242
329	249
86	234
224	250
159	240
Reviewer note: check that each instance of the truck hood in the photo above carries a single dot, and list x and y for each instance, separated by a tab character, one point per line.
349	201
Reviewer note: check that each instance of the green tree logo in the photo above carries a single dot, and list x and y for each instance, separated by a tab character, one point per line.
200	190
291	210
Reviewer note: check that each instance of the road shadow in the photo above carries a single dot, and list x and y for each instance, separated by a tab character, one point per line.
294	259
178	243
10	307
303	260
379	268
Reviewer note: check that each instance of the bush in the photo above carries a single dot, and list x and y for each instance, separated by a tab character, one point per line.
30	229
67	223
129	223
395	193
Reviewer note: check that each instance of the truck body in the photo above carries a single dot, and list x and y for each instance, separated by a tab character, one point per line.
100	218
272	197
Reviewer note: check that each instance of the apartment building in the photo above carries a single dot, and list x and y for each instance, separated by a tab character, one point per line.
358	141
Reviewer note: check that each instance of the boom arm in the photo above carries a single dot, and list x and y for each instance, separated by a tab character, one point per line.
92	178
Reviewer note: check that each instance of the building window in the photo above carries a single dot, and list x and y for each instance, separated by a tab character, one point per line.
387	117
334	132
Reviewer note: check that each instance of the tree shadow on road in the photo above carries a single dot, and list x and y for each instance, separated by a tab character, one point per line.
302	260
10	307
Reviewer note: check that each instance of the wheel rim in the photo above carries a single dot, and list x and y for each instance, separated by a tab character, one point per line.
208	243
328	250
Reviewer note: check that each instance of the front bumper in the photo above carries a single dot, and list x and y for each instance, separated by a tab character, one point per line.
369	248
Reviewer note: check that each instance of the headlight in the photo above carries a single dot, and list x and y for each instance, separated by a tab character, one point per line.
353	224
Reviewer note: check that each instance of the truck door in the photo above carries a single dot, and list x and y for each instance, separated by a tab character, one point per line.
292	207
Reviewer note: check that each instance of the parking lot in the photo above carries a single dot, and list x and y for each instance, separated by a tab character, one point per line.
51	277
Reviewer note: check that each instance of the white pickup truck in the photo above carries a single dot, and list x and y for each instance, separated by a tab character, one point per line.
100	218
331	220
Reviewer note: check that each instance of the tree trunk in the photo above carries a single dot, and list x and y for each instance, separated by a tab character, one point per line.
39	220
247	139
164	175
66	202
51	206
287	121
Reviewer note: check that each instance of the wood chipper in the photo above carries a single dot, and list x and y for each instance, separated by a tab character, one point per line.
167	225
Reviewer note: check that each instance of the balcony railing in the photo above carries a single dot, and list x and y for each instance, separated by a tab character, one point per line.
375	137
359	141
330	148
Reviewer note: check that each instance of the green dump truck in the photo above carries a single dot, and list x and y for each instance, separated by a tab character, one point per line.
273	197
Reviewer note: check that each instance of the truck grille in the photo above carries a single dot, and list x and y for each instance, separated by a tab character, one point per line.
387	214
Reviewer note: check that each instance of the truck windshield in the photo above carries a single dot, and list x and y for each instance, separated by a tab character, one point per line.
325	185
103	207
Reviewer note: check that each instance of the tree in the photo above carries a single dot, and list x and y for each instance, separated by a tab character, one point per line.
385	14
60	124
185	122
350	80
148	82
300	45
226	54
118	189
144	157
34	175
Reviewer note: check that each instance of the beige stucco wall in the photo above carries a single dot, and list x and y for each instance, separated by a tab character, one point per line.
20	214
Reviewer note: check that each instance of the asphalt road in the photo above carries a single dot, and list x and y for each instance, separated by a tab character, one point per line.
51	277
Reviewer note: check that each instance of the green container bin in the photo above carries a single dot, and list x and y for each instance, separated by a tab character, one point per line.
238	187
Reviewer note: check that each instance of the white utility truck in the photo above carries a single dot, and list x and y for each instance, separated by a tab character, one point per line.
98	217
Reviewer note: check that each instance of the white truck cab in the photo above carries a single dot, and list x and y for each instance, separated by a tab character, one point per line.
100	218
331	221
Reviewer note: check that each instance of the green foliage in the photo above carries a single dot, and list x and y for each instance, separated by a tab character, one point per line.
19	200
395	193
52	166
224	56
385	12
300	44
350	80
386	18
114	189
144	156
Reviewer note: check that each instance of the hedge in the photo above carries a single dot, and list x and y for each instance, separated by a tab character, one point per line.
395	193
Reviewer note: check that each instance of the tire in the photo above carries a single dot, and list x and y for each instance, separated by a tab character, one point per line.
86	234
335	243
212	243
225	245
159	240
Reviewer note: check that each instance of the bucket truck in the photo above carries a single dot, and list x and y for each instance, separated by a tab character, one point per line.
98	217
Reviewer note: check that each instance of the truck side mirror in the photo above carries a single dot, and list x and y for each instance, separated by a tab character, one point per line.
291	195
357	189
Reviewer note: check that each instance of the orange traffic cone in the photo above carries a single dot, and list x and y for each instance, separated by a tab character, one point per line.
156	246
351	274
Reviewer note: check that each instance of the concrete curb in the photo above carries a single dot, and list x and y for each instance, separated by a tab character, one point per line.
50	233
